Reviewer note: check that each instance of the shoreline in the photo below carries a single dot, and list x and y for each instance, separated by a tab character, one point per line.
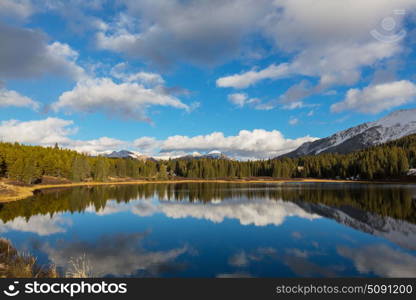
15	192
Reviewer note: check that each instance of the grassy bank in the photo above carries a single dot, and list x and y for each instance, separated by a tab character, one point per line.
19	265
14	264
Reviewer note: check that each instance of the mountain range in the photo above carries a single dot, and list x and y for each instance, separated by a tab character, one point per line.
399	232
394	126
391	127
139	156
127	154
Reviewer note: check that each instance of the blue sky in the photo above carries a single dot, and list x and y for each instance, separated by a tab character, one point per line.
251	78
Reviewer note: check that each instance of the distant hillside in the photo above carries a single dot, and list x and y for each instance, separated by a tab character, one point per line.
128	154
210	155
394	126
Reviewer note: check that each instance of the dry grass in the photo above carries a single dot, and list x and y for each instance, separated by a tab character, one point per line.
21	265
10	192
14	264
79	267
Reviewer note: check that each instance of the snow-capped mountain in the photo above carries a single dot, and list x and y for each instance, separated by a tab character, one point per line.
212	155
394	126
136	155
127	154
400	232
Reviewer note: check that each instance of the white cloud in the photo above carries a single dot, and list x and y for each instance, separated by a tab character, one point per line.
147	145
168	32
258	143
20	9
49	131
62	60
336	64
258	212
25	53
381	260
40	132
241	100
249	78
39	224
97	146
119	255
324	44
247	144
127	99
292	98
13	98
294	105
293	121
376	98
78	14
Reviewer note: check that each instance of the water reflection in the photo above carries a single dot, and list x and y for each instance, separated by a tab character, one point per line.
223	230
394	201
115	255
39	224
381	260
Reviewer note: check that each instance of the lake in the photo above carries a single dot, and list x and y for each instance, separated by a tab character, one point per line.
221	229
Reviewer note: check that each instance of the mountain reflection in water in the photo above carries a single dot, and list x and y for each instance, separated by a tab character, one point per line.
176	229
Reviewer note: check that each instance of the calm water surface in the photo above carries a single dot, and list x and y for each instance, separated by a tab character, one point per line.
221	230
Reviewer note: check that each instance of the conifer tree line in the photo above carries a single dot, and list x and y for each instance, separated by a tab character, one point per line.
29	163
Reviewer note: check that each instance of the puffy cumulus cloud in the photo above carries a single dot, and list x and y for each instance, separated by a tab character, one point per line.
254	144
40	132
329	41
118	255
40	224
259	212
203	32
338	64
367	261
241	100
247	144
254	212
79	15
126	99
146	78
16	9
97	146
13	98
49	131
249	78
377	98
25	53
147	144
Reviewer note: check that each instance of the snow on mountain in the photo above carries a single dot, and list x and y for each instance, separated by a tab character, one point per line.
394	126
127	154
212	155
397	231
137	155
